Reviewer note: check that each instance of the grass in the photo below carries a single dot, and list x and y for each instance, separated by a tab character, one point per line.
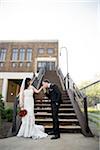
93	110
94	117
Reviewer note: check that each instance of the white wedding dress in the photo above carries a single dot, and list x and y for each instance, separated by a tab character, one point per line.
28	127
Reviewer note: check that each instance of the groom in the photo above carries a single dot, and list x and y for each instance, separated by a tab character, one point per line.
53	93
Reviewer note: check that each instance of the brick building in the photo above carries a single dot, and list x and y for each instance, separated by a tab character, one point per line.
19	59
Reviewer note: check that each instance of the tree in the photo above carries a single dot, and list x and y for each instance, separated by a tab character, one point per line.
93	92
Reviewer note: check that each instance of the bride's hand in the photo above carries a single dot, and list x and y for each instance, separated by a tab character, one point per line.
42	87
22	108
37	91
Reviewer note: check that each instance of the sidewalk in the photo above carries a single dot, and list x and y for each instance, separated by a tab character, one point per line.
66	142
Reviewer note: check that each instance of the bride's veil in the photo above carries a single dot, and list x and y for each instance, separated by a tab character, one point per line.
21	94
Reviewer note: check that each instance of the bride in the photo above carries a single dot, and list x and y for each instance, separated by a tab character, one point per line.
28	127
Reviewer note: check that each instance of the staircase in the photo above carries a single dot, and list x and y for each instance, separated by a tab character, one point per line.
67	117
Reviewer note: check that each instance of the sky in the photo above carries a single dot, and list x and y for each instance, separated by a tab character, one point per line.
75	23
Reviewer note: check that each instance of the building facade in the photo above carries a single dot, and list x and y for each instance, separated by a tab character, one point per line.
20	59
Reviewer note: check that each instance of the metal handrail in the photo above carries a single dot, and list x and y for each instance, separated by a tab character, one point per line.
64	79
90	85
81	106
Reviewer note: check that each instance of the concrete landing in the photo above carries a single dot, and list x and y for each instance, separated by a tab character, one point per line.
66	142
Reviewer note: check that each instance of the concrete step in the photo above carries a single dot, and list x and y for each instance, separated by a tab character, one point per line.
67	117
49	105
64	110
44	115
62	121
65	129
45	101
45	98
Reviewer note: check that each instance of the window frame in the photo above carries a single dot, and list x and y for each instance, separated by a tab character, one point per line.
39	50
3	54
52	52
22	54
29	55
16	54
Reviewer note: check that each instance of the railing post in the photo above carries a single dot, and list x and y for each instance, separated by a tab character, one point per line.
86	114
68	80
73	89
65	83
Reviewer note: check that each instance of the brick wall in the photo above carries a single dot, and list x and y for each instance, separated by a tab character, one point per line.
34	46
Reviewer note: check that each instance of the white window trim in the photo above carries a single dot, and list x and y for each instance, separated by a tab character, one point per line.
46	59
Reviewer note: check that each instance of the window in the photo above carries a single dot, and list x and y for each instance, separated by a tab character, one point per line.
41	50
50	50
41	64
22	54
15	54
48	65
2	54
29	54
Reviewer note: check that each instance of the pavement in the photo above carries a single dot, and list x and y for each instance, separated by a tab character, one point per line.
66	142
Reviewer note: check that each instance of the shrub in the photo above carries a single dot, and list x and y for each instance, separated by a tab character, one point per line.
5	113
9	114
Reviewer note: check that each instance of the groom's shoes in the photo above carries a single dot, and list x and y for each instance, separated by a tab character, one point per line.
55	137
50	133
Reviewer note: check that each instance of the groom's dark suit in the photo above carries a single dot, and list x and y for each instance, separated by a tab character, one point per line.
54	94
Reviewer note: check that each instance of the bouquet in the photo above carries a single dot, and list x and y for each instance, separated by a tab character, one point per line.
23	113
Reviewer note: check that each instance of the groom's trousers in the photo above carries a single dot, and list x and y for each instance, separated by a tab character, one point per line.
55	110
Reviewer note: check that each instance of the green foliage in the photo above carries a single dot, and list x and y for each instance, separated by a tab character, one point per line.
93	110
9	114
84	83
93	92
5	113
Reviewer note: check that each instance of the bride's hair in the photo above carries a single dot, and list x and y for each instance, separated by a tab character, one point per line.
27	82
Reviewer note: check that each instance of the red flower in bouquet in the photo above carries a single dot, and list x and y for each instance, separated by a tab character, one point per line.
23	113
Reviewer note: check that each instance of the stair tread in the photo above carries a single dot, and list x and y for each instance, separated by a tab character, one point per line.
64	127
63	114
48	108
50	105
50	119
46	100
67	117
49	102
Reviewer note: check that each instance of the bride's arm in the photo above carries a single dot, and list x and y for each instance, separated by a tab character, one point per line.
39	90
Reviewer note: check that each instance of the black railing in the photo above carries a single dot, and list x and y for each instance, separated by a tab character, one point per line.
16	120
79	101
64	79
90	85
94	99
93	105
